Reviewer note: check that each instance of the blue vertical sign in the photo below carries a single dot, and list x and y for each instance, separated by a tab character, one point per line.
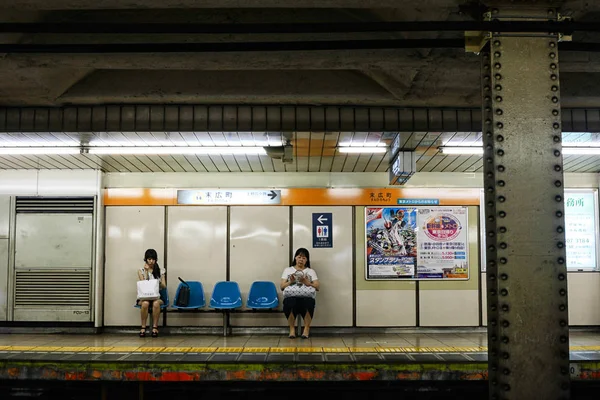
322	231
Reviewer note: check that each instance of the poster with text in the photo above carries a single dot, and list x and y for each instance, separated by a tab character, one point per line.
580	222
391	242
442	251
426	243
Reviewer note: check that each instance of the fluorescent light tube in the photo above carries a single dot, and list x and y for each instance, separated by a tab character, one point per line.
461	150
581	150
40	150
149	151
370	149
465	150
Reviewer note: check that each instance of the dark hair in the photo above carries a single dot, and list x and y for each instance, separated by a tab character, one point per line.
151	253
303	251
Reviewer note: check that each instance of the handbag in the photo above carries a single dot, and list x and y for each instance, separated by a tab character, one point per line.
148	289
183	296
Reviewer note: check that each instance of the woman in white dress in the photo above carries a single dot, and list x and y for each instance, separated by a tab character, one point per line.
151	270
299	284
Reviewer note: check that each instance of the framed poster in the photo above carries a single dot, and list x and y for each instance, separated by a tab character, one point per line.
416	243
581	221
581	230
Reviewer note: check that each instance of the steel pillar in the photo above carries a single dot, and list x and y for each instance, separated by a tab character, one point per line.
528	332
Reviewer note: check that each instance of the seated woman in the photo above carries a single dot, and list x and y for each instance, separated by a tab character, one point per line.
151	270
299	284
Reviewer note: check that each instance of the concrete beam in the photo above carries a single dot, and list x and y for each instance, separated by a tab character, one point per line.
340	87
141	4
37	86
394	82
305	60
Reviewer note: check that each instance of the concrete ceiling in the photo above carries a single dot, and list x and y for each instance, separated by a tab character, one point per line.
416	77
392	77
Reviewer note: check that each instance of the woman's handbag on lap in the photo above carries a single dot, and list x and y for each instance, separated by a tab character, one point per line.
148	289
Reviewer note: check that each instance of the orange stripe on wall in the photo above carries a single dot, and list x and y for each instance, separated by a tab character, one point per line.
140	197
376	196
308	196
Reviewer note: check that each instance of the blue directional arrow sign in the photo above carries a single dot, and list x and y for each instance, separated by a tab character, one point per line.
322	229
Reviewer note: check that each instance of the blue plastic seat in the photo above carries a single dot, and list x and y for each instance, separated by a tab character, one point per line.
226	296
164	296
197	299
262	294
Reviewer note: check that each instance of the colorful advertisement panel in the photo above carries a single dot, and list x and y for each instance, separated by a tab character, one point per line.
424	243
443	244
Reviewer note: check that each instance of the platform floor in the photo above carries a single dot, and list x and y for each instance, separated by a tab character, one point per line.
370	341
426	355
423	339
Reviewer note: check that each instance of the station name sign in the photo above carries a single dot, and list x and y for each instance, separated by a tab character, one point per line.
229	196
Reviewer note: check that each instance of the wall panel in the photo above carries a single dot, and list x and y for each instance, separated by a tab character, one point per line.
332	265
3	279
584	297
196	251
386	308
404	313
483	299
447	303
259	251
441	308
4	216
129	232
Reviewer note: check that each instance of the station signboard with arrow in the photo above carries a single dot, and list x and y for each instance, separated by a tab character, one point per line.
230	196
322	224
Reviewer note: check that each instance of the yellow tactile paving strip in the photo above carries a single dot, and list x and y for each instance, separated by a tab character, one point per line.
141	349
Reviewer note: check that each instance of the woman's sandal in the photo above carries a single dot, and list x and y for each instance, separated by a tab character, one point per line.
154	331
143	332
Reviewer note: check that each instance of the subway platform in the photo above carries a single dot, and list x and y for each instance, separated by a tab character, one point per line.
413	355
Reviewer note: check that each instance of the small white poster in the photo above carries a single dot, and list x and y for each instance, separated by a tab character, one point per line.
580	229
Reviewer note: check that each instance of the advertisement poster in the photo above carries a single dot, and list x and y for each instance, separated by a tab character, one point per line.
416	243
580	222
391	242
442	243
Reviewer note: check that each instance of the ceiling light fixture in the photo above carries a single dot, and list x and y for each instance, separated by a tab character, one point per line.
461	149
581	150
13	150
567	149
364	149
202	150
139	150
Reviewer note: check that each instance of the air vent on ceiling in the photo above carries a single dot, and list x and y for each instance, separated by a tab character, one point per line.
63	205
52	288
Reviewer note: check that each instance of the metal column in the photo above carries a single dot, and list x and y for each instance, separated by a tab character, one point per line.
528	333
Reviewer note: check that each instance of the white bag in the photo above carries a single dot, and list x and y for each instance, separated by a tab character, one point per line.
148	289
295	290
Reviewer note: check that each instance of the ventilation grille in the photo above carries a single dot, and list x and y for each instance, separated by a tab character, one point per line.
63	205
53	288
